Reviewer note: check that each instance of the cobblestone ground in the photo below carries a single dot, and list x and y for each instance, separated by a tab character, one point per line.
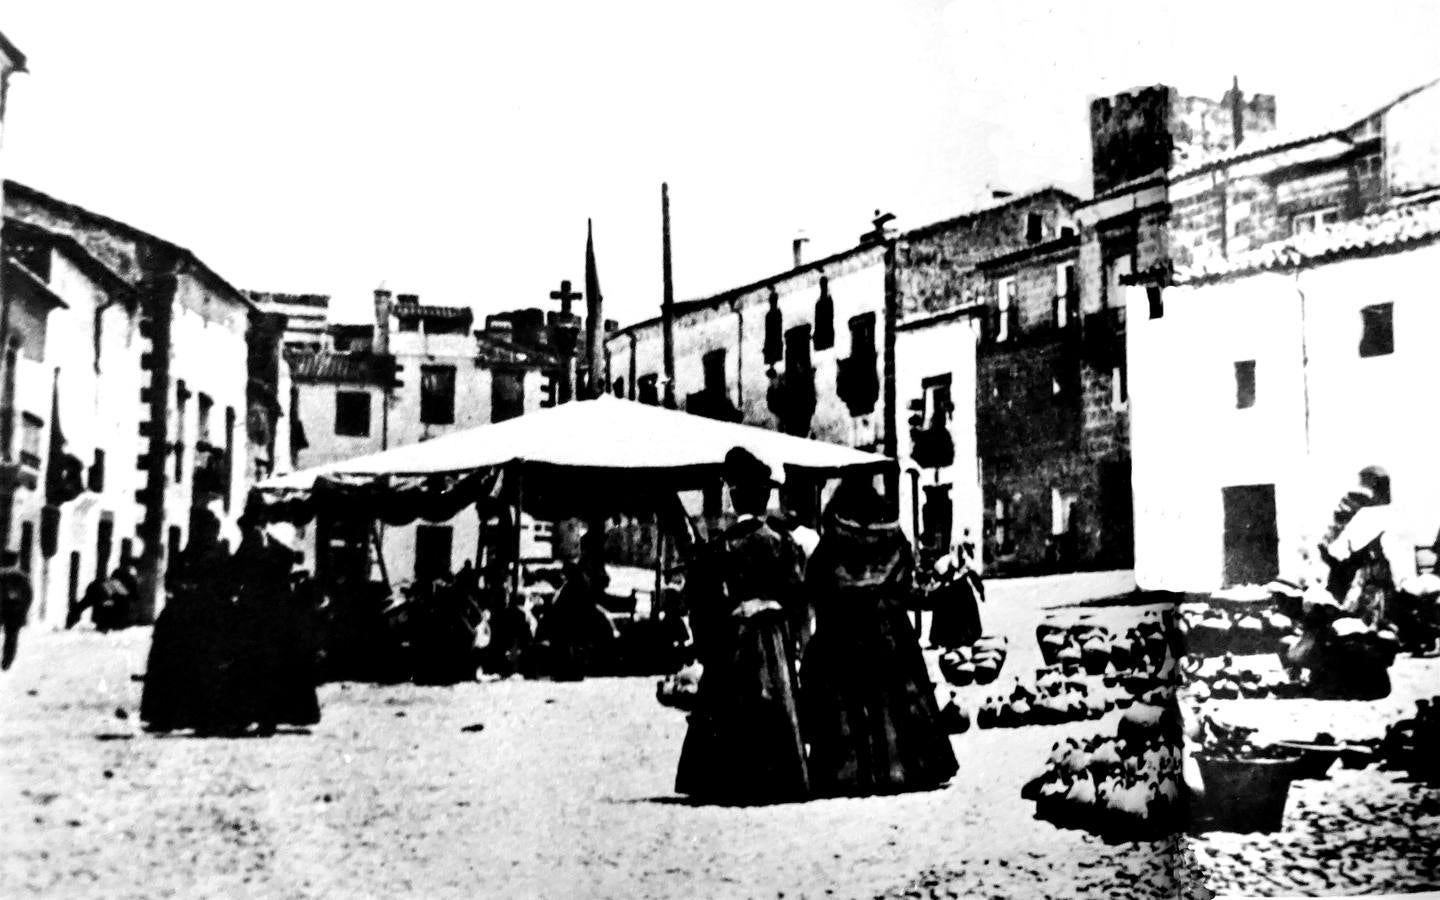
564	792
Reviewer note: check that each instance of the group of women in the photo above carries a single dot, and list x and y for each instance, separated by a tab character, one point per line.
849	711
233	652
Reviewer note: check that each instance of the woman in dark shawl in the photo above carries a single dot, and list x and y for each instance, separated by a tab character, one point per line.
189	675
744	743
869	706
274	647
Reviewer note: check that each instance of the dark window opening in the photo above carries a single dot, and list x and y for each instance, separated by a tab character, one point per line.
172	549
27	545
1156	298
938	517
73	589
95	478
619	388
713	364
352	413
938	405
104	534
202	431
648	390
1377	336
507	395
1119	385
30	443
824	317
432	552
1034	227
182	396
774	328
1245	384
228	463
857	381
437	395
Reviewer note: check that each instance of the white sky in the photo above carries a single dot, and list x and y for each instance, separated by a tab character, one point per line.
455	149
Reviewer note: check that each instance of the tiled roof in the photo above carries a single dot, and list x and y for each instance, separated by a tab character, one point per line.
317	300
1383	232
1266	143
405	310
333	366
498	350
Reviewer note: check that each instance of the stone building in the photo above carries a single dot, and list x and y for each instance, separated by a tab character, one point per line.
190	397
418	372
848	348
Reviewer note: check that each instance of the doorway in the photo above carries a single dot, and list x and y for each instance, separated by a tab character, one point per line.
1252	543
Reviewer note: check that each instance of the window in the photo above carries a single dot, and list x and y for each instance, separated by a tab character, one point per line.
30	443
1065	295
1304	223
432	551
1155	295
1377	334
1002	527
713	364
1034	227
774	331
437	395
1062	505
182	399
648	389
938	405
95	478
619	388
27	545
824	317
228	475
73	593
1116	270
1006	296
862	336
203	407
507	395
352	413
1119	386
1245	384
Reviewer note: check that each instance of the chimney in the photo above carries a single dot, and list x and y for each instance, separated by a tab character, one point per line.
881	231
381	343
797	248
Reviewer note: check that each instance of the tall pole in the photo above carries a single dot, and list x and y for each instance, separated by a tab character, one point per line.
667	301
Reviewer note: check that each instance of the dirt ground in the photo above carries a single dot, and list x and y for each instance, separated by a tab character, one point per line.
566	791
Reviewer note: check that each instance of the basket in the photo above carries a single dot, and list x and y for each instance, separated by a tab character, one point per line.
1245	795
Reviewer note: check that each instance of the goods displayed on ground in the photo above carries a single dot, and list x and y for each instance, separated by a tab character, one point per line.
1098	650
1211	629
1236	784
1230	680
1123	786
977	663
1343	657
1413	745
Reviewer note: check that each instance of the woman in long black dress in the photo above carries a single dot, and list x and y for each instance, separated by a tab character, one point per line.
869	706
744	743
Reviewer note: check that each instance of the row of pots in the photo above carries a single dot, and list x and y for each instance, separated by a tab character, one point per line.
979	663
1097	649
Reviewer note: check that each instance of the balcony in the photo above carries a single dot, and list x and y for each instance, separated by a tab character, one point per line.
932	447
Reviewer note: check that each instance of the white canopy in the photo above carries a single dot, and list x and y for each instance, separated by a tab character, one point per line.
597	436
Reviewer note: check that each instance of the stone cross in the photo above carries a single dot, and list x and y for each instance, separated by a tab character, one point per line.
566	296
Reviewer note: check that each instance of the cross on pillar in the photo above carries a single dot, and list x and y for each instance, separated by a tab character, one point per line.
566	297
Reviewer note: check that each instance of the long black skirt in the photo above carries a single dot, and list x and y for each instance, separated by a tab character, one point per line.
744	744
871	718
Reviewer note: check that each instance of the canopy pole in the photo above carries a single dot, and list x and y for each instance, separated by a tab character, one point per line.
516	576
380	556
659	602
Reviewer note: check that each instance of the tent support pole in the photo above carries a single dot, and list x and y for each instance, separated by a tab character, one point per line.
658	602
516	577
380	555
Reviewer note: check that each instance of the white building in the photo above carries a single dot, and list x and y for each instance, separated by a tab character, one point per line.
1267	381
935	369
421	371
